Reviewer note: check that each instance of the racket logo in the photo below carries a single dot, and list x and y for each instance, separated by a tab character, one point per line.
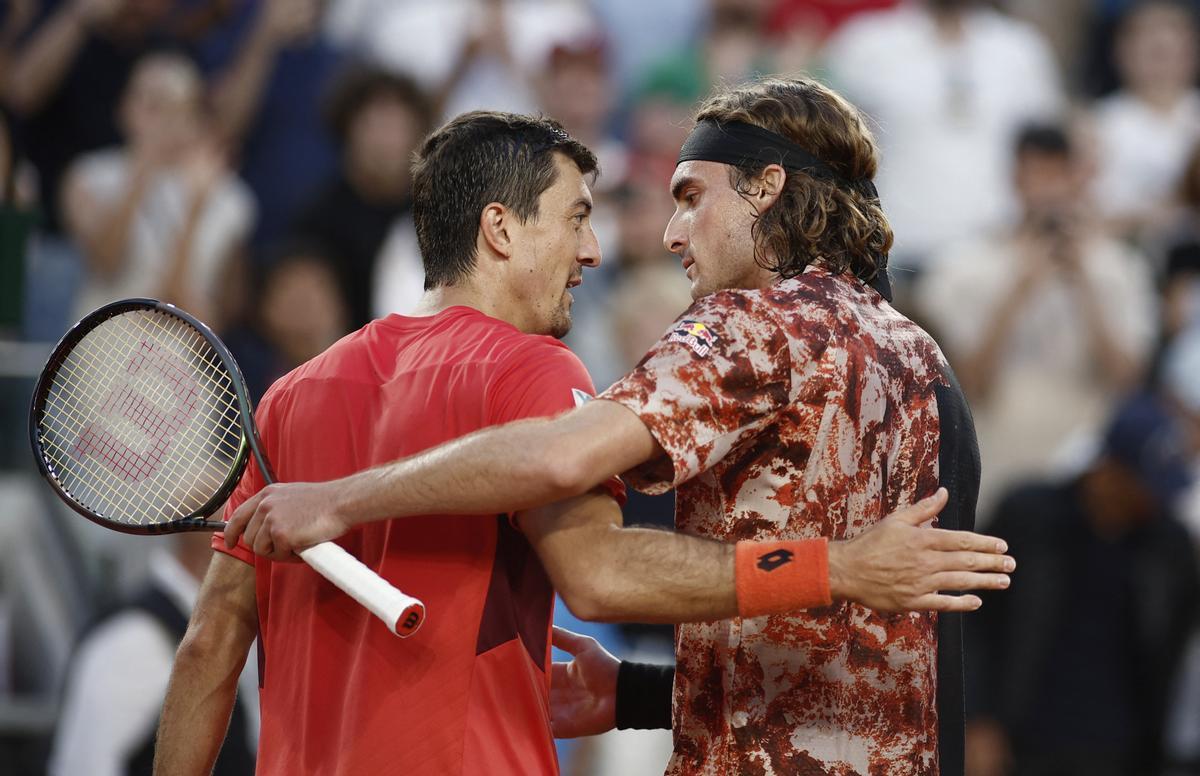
411	621
129	405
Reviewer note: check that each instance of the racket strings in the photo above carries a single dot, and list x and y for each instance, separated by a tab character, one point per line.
193	445
141	423
107	449
116	454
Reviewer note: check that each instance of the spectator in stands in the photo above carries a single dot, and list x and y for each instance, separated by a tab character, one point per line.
800	28
470	54
1148	129
575	88
1072	667
161	216
70	73
1184	218
1180	300
734	49
118	677
950	82
17	179
1100	22
39	275
378	119
1179	384
17	221
1046	322
13	23
1064	25
266	98
638	32
298	311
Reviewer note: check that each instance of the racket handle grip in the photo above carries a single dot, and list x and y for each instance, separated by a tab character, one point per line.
401	613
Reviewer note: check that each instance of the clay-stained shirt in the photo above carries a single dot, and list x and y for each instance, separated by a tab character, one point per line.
802	410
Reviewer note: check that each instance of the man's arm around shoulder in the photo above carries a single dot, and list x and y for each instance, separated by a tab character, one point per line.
507	468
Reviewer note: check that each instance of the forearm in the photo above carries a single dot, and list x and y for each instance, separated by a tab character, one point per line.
196	711
204	677
612	574
175	287
238	91
646	575
492	471
106	242
40	67
504	469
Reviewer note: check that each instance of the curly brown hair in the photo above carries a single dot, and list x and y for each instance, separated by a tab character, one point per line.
842	228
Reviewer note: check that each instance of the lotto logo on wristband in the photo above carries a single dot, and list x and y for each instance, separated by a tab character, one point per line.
775	559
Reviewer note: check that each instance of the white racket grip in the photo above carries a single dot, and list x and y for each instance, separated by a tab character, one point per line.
402	614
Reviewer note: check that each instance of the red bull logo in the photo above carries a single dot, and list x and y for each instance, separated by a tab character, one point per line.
696	335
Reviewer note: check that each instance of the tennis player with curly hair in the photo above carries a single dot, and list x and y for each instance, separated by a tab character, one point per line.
792	408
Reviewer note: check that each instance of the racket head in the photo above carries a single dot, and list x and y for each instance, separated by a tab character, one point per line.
140	420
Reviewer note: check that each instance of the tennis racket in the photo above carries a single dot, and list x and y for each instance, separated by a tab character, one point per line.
141	422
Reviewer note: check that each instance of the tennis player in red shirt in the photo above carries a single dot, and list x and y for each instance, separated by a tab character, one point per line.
501	205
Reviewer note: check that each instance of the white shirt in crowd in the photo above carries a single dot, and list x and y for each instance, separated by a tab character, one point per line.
946	116
118	680
1141	152
424	40
225	223
1047	390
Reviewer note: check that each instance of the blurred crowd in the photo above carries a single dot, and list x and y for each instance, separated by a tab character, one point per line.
248	161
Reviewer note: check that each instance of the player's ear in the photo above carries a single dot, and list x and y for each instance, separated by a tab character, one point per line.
768	186
495	225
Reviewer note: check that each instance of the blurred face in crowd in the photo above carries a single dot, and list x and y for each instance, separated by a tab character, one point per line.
161	108
550	251
302	309
1047	183
659	125
380	140
1117	499
710	230
734	44
1156	49
576	91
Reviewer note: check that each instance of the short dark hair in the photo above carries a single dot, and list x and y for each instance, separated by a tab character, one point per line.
359	84
1044	139
478	158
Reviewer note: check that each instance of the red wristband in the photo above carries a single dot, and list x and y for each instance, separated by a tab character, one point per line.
777	577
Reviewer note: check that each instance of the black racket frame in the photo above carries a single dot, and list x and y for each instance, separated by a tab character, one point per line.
196	521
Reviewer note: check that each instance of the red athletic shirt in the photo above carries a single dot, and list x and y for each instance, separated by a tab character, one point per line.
469	693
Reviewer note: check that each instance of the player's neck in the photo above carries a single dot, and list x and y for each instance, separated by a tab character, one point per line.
435	300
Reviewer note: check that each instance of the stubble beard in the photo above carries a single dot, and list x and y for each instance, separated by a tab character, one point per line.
560	323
